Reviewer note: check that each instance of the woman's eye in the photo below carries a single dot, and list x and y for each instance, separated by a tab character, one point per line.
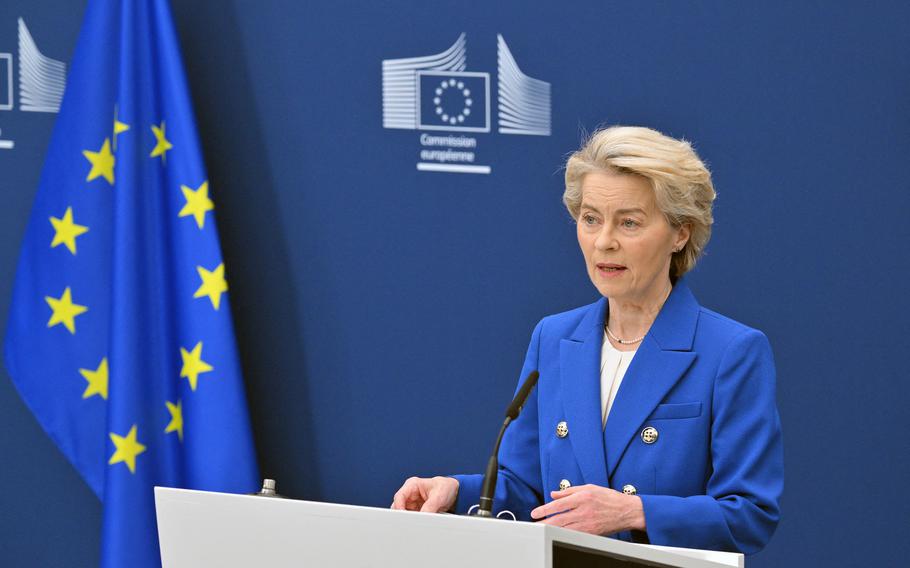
629	223
589	220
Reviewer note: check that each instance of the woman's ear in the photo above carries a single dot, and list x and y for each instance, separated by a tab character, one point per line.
682	236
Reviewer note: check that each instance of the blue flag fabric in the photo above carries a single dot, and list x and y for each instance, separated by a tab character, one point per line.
120	337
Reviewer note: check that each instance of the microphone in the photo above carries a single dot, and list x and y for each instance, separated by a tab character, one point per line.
485	507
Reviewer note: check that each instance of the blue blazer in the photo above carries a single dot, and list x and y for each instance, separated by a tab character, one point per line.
714	476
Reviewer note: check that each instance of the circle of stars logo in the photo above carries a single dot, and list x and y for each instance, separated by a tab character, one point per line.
457	88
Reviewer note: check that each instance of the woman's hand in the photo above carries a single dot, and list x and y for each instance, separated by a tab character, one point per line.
435	495
592	509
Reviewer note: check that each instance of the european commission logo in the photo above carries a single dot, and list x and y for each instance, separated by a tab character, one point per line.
436	93
41	80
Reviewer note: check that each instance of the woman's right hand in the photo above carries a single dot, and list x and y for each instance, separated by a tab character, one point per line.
433	495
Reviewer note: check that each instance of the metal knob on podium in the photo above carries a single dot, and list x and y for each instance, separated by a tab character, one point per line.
268	489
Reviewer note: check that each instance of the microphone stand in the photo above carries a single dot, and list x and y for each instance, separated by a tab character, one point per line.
485	506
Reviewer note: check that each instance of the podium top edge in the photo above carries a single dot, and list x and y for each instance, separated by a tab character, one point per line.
549	534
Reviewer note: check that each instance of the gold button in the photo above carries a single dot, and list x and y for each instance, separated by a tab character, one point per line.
564	484
649	435
629	489
562	429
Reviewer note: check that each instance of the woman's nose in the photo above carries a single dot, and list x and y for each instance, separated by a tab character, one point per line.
605	239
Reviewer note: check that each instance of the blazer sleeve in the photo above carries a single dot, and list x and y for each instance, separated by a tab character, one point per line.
518	487
741	507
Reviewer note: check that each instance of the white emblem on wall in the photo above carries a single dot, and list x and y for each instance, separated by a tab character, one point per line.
41	79
436	93
524	102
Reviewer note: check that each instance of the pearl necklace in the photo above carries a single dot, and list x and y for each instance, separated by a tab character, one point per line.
634	341
622	341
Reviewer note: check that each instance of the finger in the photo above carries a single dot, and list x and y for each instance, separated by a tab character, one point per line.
431	498
398	501
408	496
550	508
560	505
431	505
553	508
414	502
560	519
539	512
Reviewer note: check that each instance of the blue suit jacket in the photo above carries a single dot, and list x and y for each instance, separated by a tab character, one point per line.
713	478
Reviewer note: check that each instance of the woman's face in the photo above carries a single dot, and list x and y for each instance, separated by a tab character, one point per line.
625	238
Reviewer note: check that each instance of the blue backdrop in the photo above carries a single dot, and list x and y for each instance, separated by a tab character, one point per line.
357	281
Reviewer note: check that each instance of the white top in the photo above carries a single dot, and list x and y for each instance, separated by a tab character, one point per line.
613	366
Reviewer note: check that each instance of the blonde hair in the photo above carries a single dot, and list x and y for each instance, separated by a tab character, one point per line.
680	180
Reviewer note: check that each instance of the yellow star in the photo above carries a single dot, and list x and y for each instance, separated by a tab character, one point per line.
66	231
119	127
127	449
176	423
102	162
162	145
65	311
193	364
213	284
197	203
97	380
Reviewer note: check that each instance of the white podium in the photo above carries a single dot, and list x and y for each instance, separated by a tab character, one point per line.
197	528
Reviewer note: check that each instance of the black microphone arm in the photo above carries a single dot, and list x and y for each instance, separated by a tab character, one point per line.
485	507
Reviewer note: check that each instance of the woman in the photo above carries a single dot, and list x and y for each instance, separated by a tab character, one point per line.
654	419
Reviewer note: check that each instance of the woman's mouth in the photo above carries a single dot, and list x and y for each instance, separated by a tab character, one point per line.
610	269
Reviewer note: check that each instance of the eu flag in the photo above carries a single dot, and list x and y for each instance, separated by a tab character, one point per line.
120	337
453	100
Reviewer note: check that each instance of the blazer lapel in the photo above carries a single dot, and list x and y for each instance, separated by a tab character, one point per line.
662	359
580	376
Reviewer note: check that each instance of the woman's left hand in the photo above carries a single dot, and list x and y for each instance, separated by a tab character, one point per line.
592	509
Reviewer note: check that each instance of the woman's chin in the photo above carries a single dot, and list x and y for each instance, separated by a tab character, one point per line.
610	287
